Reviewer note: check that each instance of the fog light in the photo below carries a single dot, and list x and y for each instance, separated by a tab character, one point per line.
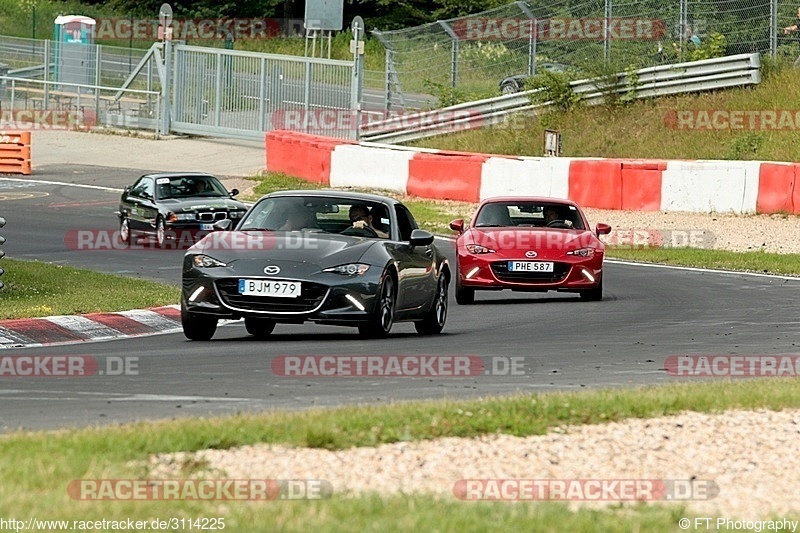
195	294
355	302
587	275
472	272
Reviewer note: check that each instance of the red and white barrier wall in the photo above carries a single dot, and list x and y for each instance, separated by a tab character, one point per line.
629	184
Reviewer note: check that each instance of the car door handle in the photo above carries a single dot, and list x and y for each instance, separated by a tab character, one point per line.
429	252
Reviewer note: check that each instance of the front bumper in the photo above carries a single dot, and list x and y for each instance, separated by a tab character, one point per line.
492	274
339	301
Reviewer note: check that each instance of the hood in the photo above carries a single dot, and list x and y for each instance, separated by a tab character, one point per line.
548	243
187	205
250	251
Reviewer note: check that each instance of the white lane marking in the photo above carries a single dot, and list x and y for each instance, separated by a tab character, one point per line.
85	327
785	277
79	185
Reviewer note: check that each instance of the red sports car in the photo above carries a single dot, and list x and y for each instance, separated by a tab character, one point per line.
529	244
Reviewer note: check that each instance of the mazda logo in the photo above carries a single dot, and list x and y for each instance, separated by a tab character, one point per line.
271	270
531	254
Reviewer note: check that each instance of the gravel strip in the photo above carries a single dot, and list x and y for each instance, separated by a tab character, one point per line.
778	233
753	456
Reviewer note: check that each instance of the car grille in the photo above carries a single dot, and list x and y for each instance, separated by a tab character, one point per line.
209	216
311	296
560	271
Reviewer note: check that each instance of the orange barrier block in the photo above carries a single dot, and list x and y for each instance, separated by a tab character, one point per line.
446	176
301	155
641	185
596	183
777	189
15	152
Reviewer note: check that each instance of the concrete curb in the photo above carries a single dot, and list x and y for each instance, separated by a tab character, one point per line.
56	330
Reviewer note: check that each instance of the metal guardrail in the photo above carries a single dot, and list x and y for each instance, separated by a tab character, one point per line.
663	80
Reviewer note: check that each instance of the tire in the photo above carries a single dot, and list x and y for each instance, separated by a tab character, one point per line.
197	327
509	88
434	320
593	295
464	295
259	328
125	230
381	322
161	233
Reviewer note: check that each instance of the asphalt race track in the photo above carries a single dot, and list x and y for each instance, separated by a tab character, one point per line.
648	314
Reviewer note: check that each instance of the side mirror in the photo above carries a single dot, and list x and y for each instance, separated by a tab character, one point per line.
127	189
457	225
420	237
234	192
602	229
223	225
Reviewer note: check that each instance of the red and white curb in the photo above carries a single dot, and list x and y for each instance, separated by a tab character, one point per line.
48	331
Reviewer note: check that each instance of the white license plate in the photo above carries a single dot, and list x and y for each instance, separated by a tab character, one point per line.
206	227
268	287
530	266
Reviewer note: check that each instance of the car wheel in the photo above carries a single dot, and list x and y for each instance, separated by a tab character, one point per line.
161	232
436	317
125	230
197	327
593	295
259	327
509	88
381	322
464	295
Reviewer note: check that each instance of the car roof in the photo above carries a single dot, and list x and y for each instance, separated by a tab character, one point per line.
177	175
331	193
540	199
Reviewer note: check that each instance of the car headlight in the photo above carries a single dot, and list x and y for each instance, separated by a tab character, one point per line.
185	216
236	214
478	249
582	252
351	269
206	261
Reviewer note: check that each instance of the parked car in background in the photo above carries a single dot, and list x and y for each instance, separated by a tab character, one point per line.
328	257
529	244
175	206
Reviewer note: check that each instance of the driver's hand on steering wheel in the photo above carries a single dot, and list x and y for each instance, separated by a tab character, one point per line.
360	224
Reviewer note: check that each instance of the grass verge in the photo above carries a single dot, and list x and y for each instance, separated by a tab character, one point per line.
39	466
36	289
43	464
762	262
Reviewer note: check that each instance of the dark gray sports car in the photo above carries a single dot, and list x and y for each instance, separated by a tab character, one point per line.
174	207
323	256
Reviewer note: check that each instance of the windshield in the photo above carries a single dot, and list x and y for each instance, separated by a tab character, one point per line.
529	214
330	215
177	187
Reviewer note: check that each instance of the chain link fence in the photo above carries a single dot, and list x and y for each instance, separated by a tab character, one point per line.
473	53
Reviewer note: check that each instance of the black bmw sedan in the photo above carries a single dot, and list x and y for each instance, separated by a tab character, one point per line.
328	257
174	207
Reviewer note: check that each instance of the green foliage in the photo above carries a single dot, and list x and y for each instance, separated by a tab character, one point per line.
446	95
745	145
555	88
713	46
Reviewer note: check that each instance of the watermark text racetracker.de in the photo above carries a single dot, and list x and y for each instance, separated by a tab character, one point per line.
391	366
67	366
733	119
585	489
731	366
46	119
199	489
110	240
